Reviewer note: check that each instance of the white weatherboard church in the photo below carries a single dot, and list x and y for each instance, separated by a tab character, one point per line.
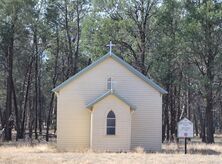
109	106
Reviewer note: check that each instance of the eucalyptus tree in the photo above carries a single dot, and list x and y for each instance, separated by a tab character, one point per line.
65	19
204	20
22	43
169	63
129	24
9	12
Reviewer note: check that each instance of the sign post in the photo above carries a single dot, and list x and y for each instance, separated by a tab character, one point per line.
185	130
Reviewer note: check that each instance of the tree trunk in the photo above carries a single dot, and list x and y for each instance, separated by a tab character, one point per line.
202	124
19	134
31	119
210	81
209	118
166	116
40	96
173	114
54	80
1	118
70	70
78	38
26	96
178	105
188	101
8	110
49	116
35	42
209	99
195	123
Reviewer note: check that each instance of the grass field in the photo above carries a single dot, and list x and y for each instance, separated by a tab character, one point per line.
23	153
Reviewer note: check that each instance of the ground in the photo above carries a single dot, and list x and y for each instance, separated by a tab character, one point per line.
26	153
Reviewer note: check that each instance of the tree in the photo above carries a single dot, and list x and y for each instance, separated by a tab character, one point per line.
9	22
203	26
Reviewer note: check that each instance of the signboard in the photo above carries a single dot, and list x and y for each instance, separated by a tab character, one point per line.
184	128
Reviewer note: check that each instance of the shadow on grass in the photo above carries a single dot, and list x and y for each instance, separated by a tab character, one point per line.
164	151
192	151
216	142
204	151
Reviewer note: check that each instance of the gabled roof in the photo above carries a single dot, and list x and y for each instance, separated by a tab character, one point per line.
119	60
184	119
110	92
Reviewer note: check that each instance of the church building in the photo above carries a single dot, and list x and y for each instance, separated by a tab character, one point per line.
109	106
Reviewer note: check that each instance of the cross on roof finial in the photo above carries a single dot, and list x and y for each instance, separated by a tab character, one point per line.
110	45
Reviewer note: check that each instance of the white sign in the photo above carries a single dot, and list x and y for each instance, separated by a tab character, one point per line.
184	128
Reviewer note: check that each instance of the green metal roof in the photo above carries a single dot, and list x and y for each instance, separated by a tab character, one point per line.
110	92
119	60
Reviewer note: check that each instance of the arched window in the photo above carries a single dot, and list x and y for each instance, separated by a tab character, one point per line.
111	124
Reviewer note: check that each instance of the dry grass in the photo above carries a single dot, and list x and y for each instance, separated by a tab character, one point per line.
21	153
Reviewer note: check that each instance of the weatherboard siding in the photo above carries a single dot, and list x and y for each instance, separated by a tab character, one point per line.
70	135
74	119
121	141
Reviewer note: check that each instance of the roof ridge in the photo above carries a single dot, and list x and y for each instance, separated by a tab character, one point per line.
109	92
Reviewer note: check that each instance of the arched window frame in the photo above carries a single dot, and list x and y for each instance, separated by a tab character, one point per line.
109	83
111	123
